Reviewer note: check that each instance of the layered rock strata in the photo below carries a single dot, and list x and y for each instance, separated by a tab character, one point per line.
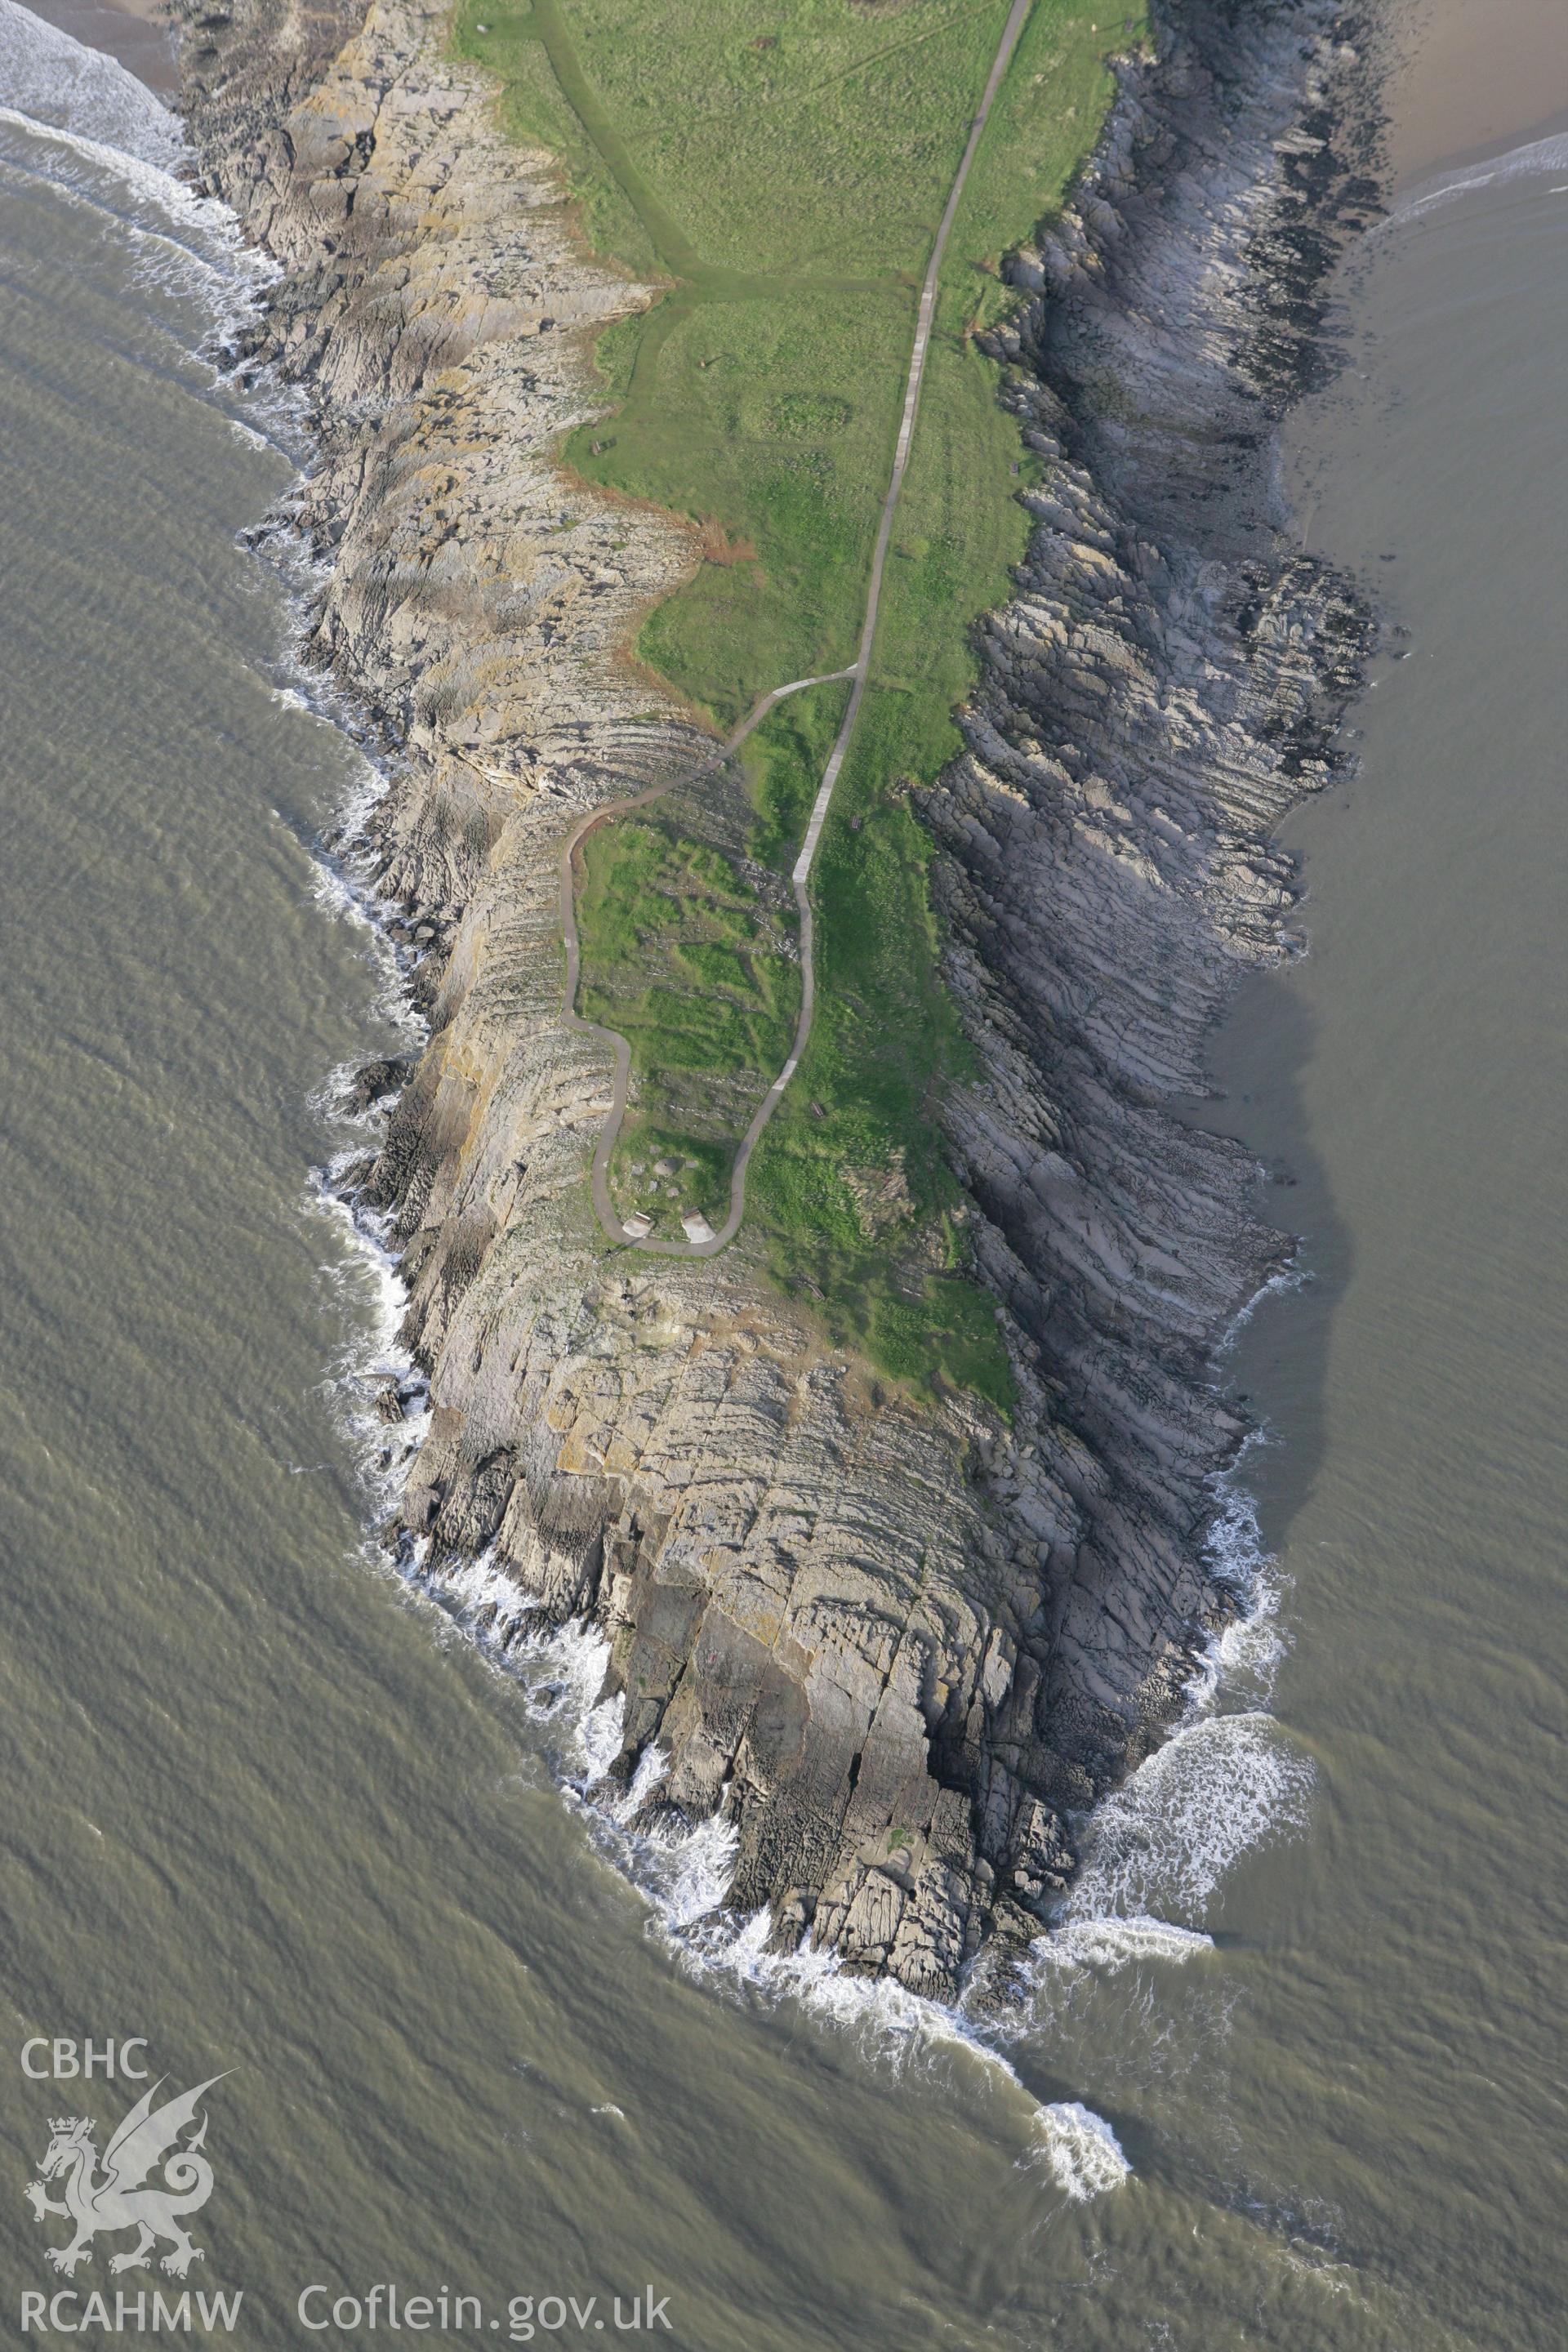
901	1647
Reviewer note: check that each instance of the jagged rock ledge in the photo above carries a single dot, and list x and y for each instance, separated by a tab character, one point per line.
902	1648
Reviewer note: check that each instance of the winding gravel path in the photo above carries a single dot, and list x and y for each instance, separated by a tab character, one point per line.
859	671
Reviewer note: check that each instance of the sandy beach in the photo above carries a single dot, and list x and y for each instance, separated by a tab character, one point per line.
1475	78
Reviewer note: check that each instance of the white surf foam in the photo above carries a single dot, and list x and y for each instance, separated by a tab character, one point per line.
480	1599
1164	1842
684	1870
1155	1854
344	893
1116	1943
1081	2150
1539	158
1242	1660
1156	1851
375	1364
204	216
1162	1845
343	876
1278	1285
49	80
898	2027
102	139
81	106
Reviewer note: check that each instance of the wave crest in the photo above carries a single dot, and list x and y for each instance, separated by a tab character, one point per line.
1165	1840
53	81
1080	2149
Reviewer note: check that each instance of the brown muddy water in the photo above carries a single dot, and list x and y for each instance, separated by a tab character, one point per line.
274	1813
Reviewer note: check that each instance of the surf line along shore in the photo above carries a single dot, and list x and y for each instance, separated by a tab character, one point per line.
709	1245
1161	680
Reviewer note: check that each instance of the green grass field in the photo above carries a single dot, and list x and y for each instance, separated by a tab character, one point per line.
696	958
779	167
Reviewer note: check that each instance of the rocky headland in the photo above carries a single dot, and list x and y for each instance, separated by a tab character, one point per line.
901	1645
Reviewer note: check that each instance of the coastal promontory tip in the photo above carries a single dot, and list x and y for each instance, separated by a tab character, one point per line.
899	1630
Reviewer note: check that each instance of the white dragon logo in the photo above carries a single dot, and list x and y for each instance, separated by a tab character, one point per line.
118	2199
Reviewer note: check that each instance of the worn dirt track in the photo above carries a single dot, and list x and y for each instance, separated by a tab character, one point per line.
859	671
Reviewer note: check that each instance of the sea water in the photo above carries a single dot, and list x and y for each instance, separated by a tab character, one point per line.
1280	2073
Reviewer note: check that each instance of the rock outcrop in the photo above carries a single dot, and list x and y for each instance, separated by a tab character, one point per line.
900	1646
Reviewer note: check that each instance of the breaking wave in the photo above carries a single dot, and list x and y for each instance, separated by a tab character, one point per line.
1533	160
1154	1853
1242	1658
1112	1942
85	122
1081	2151
1289	1277
52	82
684	1870
1164	1842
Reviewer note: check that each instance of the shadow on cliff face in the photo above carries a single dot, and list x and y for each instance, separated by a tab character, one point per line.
895	1650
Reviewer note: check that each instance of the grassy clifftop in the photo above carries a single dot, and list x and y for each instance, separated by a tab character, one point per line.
780	167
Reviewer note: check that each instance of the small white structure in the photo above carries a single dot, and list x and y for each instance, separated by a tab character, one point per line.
696	1227
638	1224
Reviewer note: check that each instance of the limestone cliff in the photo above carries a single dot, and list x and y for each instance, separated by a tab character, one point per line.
899	1645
